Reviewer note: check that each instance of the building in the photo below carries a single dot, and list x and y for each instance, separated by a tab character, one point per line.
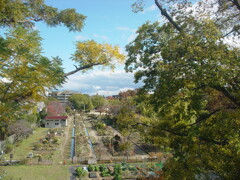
55	121
62	96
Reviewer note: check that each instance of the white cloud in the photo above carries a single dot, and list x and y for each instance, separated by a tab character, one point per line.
100	36
80	37
101	82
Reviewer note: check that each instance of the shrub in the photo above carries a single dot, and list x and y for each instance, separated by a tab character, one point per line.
132	168
8	148
117	172
118	177
55	140
91	168
80	172
44	141
37	146
96	168
105	173
102	168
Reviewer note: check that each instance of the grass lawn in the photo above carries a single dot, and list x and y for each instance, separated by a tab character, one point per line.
51	172
26	145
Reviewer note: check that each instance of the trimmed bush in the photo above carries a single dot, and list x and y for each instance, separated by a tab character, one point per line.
80	172
91	168
117	172
105	173
97	168
102	168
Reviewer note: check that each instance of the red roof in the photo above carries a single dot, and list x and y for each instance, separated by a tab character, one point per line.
56	117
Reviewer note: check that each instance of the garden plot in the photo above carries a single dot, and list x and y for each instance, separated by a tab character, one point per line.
110	146
45	148
100	150
118	171
82	148
38	148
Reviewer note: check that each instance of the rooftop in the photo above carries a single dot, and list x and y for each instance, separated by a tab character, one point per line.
56	117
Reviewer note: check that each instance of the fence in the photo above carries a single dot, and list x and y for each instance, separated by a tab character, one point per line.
119	160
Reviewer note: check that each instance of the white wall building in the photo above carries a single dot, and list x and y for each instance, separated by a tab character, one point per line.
55	121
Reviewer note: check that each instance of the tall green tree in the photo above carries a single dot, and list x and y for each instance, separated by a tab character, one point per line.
224	13
81	101
25	74
98	101
193	76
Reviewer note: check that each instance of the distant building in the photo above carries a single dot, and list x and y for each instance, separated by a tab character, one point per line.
62	96
55	121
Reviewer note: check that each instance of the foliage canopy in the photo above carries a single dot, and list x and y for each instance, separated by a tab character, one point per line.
26	75
189	103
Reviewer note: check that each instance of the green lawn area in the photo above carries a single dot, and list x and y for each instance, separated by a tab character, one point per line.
26	145
51	172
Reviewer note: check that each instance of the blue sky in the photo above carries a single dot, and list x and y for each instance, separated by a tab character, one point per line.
110	21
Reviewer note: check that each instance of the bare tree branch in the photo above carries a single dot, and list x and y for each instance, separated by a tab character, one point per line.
170	19
227	94
201	138
22	21
81	68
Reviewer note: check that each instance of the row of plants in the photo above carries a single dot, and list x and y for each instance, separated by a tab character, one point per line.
119	170
105	171
81	148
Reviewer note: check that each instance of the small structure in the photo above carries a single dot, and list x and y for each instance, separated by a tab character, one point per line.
55	121
92	175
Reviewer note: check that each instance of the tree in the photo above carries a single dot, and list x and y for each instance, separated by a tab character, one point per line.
224	13
81	101
26	75
90	53
55	108
27	13
128	93
98	101
21	129
193	77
